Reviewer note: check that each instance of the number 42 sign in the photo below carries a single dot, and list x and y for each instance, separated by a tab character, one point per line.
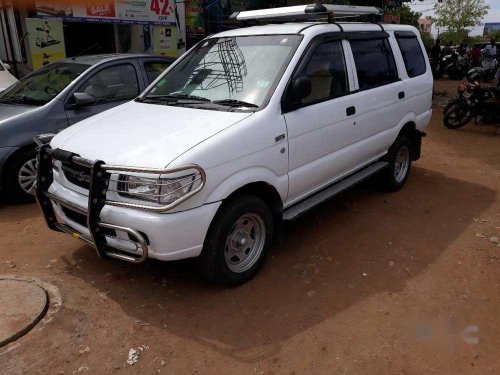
161	7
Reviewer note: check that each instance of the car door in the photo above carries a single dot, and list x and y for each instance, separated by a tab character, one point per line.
379	96
110	85
320	127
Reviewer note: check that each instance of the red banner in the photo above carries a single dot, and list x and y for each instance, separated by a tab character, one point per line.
100	8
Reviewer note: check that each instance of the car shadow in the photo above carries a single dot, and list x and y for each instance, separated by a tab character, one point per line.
361	243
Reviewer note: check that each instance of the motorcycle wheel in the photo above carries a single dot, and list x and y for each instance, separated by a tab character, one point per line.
457	116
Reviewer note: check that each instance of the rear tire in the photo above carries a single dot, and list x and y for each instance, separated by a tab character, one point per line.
395	175
20	176
237	242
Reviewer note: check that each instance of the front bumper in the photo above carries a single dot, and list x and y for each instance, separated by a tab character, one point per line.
123	233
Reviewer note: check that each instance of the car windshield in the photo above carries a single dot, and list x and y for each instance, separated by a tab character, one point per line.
43	85
233	72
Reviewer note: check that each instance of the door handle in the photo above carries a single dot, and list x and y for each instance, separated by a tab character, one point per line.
350	111
279	138
401	95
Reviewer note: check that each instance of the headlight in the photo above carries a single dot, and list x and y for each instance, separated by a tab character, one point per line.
163	191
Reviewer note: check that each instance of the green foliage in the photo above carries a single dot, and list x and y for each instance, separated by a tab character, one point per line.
457	38
409	17
493	35
458	16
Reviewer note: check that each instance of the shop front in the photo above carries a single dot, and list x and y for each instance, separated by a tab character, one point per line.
44	31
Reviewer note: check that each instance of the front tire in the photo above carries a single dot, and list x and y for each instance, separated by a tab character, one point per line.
395	175
457	116
237	241
20	176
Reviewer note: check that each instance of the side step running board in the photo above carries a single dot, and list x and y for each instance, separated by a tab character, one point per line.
318	198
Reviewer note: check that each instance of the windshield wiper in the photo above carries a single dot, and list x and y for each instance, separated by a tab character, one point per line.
22	100
175	97
235	103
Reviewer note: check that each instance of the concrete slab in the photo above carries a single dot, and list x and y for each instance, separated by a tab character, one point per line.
22	305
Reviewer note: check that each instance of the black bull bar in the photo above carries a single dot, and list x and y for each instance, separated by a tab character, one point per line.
99	181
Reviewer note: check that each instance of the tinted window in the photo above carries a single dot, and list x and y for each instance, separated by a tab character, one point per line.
115	83
413	56
374	62
327	72
154	69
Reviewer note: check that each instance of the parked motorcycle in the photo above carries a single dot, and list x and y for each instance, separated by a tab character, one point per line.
455	65
473	102
485	75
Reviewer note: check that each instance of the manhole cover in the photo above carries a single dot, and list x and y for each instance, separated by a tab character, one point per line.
22	306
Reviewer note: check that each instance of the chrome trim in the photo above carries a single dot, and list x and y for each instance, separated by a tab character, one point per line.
157	209
112	254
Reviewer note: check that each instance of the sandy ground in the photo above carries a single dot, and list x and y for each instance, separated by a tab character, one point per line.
369	283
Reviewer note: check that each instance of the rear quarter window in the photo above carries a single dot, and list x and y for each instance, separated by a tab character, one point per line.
412	55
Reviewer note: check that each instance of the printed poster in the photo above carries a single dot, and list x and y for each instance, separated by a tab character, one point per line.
194	17
157	12
46	41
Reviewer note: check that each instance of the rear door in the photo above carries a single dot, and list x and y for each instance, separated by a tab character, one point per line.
416	74
111	85
379	95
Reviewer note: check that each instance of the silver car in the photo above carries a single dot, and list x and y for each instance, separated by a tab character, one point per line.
57	96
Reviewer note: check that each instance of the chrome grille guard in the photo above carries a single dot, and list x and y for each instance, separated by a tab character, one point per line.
100	176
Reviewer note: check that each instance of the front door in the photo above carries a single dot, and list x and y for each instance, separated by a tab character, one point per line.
321	129
111	86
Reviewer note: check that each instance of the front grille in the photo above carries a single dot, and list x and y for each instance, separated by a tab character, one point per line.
82	220
77	175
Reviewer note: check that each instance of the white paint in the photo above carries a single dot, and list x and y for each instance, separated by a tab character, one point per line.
321	144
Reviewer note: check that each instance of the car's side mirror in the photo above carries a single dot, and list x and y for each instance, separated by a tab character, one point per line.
7	66
81	99
300	88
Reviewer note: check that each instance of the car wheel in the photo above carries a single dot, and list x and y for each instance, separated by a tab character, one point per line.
399	157
457	116
237	242
20	176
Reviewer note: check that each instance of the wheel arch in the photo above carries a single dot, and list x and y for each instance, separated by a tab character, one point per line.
10	158
410	130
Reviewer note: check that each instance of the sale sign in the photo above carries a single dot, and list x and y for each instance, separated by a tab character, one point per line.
100	8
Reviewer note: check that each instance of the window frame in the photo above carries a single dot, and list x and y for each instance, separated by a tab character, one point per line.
409	35
375	37
286	105
99	70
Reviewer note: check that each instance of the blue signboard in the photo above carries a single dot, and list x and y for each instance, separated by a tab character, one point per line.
491	26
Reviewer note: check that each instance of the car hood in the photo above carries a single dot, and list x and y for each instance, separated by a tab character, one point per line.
143	135
8	111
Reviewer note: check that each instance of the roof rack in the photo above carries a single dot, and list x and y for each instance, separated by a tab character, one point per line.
306	12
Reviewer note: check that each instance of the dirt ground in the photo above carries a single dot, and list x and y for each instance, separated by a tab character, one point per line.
369	283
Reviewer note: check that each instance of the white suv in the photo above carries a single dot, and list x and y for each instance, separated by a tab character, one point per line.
249	128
